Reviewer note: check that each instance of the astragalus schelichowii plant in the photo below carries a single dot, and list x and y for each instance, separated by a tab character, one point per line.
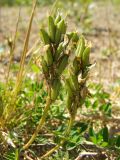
57	47
75	84
54	60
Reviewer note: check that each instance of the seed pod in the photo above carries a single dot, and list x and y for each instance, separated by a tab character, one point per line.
57	36
61	29
81	48
59	50
44	36
62	64
85	57
62	26
75	37
48	56
52	28
55	89
57	19
44	65
78	47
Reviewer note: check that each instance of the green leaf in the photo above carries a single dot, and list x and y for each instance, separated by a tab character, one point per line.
106	108
12	155
104	144
93	136
99	137
87	103
94	139
35	68
91	132
95	104
105	134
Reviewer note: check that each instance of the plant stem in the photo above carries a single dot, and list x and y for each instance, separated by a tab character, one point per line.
41	122
67	132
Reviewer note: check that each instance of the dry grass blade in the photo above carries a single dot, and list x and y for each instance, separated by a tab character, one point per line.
54	8
12	48
25	49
